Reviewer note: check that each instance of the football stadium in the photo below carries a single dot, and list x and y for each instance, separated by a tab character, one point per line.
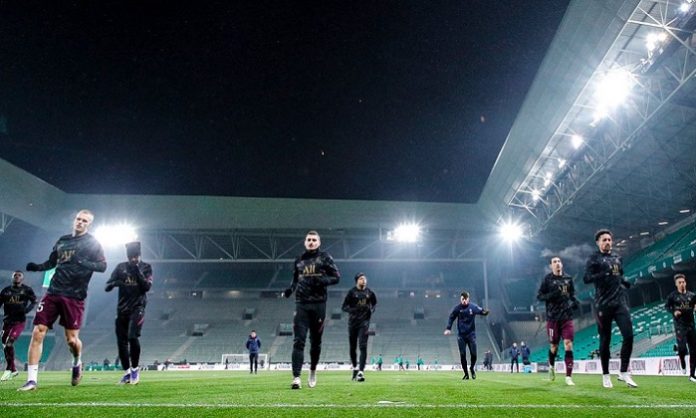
597	172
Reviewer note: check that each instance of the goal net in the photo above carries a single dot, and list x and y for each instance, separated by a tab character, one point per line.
241	361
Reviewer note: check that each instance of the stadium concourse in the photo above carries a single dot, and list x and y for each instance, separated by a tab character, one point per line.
604	139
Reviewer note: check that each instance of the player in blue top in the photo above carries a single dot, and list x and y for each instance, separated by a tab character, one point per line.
465	313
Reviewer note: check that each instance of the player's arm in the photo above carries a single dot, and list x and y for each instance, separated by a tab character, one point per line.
94	261
547	293
594	271
450	320
483	311
114	280
669	304
574	302
347	305
144	278
331	274
293	283
46	265
31	298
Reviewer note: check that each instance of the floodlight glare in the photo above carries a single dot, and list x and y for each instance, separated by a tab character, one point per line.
576	141
510	232
114	235
407	233
561	163
613	90
684	7
535	194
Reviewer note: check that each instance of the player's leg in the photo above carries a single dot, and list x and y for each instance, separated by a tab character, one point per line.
471	342
46	314
552	331
623	321
568	334
121	326
681	346
691	342
34	355
362	344
604	320
316	331
461	344
300	327
72	337
8	348
36	344
135	325
353	347
71	313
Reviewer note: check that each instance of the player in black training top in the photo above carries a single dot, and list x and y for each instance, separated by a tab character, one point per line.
558	291
605	270
133	279
18	299
75	257
360	303
314	271
465	314
680	303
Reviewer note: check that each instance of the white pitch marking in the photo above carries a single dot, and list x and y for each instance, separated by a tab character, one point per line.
394	405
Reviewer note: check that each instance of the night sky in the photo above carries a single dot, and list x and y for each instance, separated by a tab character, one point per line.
379	100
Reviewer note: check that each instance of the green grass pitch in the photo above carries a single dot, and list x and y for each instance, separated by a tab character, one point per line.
398	394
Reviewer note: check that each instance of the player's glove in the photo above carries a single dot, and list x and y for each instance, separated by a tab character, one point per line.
286	294
485	312
32	267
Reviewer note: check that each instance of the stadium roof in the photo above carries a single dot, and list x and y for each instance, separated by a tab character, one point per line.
636	167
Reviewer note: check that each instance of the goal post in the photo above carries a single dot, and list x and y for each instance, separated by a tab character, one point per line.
241	361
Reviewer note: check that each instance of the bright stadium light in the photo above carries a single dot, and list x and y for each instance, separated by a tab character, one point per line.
114	235
684	7
406	233
576	141
535	194
612	91
510	231
561	163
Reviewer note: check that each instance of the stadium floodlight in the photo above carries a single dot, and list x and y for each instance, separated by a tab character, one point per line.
535	194
684	7
410	232
561	163
685	211
612	90
661	223
114	235
576	141
510	231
